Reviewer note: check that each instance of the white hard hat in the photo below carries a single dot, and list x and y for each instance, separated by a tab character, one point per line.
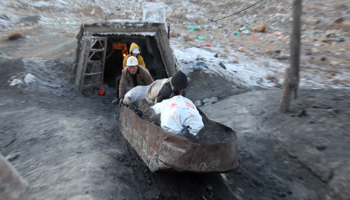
132	61
136	50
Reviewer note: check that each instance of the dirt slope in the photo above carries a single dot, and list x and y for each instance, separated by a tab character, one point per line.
69	147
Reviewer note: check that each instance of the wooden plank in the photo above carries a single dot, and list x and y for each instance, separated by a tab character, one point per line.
166	50
93	74
162	56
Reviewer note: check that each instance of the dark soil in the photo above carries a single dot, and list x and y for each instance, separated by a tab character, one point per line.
69	146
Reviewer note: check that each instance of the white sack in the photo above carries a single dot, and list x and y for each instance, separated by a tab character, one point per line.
16	82
29	78
133	96
176	112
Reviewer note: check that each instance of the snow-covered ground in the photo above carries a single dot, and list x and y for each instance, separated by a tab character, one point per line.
246	70
251	71
240	69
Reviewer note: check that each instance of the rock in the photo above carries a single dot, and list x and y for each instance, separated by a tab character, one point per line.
12	157
309	53
314	50
16	36
334	63
200	58
198	103
214	99
302	113
339	20
323	58
259	28
209	101
222	65
283	57
281	194
321	147
233	60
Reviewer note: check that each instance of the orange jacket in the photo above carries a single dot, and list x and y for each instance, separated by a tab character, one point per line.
139	57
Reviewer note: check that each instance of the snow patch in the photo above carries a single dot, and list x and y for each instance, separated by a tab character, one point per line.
247	72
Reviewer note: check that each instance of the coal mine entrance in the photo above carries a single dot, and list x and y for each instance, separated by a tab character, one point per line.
118	46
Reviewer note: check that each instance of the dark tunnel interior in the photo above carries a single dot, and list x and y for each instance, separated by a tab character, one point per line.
117	45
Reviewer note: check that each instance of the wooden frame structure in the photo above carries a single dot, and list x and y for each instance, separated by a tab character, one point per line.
100	32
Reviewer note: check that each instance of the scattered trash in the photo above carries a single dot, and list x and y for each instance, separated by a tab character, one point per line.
323	58
240	48
216	55
277	33
245	32
201	65
201	38
259	28
255	37
243	29
237	33
206	45
191	27
282	20
102	92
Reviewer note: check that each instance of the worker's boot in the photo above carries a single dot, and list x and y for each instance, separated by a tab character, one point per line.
115	101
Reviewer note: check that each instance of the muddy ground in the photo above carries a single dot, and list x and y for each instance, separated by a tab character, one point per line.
68	146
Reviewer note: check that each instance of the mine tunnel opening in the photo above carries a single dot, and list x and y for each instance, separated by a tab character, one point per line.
118	47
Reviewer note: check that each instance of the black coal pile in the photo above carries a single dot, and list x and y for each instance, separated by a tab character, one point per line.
147	113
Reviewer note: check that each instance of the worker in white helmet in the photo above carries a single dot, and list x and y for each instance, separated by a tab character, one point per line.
132	76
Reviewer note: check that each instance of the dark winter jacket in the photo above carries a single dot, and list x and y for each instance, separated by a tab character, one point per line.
166	88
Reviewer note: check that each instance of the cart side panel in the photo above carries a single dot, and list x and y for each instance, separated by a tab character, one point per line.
161	150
